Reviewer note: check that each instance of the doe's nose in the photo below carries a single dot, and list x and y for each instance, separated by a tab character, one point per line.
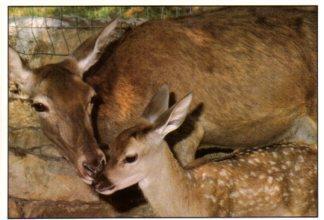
95	166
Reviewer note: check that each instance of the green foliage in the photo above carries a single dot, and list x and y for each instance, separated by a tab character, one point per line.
102	12
85	12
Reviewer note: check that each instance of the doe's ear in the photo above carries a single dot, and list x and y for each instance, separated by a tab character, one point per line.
19	73
158	104
106	37
172	119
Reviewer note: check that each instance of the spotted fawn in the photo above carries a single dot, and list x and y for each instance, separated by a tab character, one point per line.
280	180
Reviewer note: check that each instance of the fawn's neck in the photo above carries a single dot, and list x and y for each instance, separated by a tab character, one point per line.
169	190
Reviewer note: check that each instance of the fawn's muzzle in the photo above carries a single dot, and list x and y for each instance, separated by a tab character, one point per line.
101	184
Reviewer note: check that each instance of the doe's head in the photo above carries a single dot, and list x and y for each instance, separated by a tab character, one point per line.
137	151
64	101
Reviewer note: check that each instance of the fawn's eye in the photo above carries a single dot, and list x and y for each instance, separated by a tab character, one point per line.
39	107
130	159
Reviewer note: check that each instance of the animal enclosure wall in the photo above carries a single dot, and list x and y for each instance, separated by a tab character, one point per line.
41	182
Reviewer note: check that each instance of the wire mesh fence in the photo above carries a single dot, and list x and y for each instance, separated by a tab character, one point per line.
57	31
31	31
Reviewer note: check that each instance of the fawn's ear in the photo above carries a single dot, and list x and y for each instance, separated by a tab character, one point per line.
171	119
158	104
19	73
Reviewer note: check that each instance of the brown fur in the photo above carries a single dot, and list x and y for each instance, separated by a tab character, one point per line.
252	69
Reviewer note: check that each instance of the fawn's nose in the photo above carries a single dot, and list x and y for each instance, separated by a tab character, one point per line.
94	166
101	184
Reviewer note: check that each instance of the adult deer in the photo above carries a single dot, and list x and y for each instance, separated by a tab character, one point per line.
253	72
274	181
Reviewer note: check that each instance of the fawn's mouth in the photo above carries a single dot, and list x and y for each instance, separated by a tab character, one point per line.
107	190
103	186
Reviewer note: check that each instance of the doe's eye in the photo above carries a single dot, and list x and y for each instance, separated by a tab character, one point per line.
130	159
39	107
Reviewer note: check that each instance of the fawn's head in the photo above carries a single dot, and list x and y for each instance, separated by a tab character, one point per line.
135	151
64	102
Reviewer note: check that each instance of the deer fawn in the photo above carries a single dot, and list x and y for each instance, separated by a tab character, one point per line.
274	181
